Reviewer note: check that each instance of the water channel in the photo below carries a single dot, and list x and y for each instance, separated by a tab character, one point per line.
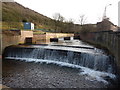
73	58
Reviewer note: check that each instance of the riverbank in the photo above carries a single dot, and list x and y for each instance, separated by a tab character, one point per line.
18	74
15	37
108	40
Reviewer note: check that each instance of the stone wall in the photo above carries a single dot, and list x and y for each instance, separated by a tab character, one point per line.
107	39
106	25
19	36
58	35
45	38
14	37
9	40
25	34
39	38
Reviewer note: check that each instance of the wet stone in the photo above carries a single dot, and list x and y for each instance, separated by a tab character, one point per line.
36	75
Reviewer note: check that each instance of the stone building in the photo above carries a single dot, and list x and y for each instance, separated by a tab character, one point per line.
106	25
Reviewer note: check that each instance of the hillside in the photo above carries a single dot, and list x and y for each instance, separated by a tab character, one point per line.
13	12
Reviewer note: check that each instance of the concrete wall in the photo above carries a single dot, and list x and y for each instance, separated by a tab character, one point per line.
39	38
25	34
108	39
14	37
45	38
8	40
58	35
19	37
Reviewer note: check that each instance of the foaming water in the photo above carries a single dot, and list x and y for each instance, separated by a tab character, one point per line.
91	74
92	62
71	43
65	48
96	61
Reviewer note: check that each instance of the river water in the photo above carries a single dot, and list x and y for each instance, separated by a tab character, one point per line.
67	58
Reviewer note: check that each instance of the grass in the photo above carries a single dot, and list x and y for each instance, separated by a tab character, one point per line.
12	25
13	13
38	32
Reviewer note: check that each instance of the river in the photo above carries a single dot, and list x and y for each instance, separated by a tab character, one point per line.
64	64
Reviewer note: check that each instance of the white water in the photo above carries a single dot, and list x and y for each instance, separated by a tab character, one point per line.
91	74
67	48
95	56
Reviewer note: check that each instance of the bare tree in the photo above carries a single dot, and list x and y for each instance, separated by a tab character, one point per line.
71	21
82	19
71	25
58	19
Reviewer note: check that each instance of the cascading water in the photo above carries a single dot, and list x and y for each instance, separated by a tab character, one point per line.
99	62
87	61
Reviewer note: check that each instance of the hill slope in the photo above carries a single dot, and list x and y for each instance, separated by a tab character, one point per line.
14	12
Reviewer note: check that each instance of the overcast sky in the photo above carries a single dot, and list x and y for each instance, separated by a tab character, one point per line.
92	9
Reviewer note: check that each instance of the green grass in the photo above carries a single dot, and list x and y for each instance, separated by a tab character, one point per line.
13	14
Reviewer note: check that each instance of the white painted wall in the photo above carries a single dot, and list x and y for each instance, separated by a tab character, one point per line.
32	26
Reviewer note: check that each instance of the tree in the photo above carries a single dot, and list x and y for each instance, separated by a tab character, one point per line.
70	25
82	19
71	21
88	28
24	20
58	19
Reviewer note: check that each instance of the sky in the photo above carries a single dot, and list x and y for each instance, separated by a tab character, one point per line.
73	9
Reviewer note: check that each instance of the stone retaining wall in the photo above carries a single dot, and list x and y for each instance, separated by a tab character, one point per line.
107	39
14	37
19	36
45	38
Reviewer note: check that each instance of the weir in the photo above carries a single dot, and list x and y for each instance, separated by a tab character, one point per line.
95	61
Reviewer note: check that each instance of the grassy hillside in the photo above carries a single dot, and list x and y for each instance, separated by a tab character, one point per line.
13	12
